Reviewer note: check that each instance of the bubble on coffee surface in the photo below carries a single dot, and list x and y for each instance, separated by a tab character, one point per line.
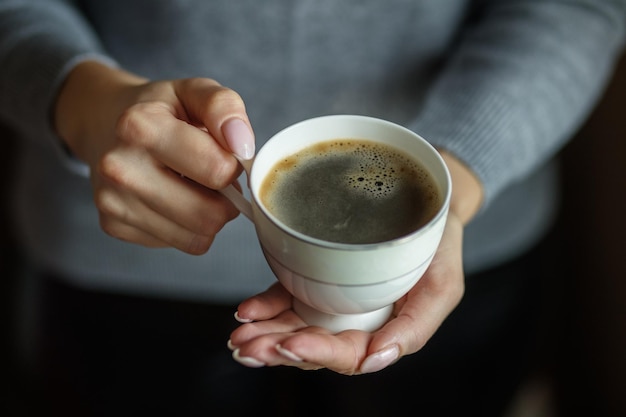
369	168
379	171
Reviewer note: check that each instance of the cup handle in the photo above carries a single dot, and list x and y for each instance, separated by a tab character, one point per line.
237	198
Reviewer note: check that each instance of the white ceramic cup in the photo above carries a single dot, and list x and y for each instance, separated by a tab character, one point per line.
343	286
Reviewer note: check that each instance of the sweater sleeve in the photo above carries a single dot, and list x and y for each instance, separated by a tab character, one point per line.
40	42
522	78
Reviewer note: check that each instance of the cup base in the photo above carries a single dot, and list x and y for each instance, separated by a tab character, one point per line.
336	323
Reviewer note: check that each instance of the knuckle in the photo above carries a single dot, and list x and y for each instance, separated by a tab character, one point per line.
224	98
112	213
210	225
222	173
106	205
112	169
205	227
193	83
111	227
231	213
419	339
198	244
356	359
137	123
227	212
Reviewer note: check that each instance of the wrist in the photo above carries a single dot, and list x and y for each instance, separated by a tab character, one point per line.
467	189
88	103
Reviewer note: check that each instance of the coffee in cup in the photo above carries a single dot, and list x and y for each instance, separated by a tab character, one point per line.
350	190
338	284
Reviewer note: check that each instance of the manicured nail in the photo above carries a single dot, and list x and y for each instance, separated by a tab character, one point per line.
247	360
288	354
230	345
239	138
241	319
380	360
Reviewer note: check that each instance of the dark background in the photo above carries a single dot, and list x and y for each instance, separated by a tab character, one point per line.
581	360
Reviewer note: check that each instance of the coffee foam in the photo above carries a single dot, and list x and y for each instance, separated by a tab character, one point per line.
380	170
345	190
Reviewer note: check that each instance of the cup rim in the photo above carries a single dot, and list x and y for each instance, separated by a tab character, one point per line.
441	212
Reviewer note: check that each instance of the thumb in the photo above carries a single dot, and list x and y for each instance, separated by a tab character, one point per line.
422	311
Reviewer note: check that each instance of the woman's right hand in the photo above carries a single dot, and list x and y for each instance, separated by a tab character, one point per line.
157	152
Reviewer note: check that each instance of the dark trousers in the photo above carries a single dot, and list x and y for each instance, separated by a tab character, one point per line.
111	355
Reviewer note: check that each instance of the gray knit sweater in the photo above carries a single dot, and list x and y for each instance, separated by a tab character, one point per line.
502	84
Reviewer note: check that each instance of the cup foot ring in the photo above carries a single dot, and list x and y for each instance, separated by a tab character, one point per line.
336	323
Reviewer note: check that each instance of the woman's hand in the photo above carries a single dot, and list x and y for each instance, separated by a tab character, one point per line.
273	334
276	335
156	152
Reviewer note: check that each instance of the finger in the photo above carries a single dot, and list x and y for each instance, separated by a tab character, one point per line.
221	110
256	363
130	233
267	349
254	344
285	322
168	208
132	221
270	353
287	340
265	305
189	204
341	353
174	196
178	145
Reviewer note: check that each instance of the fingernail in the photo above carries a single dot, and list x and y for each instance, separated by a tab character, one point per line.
241	319
288	354
380	360
230	345
247	360
239	138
